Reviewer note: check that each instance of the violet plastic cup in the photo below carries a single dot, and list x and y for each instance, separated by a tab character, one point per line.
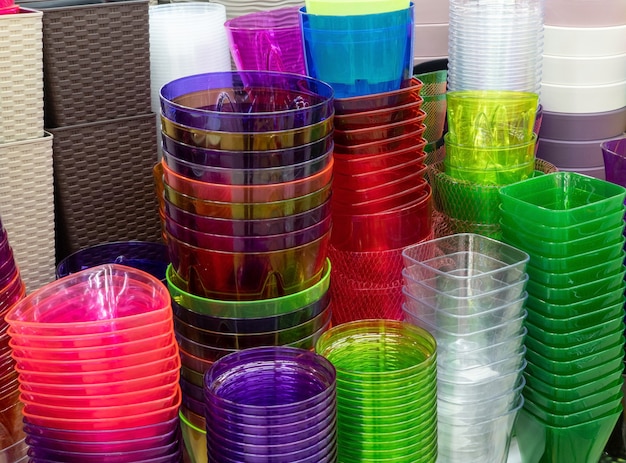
106	298
104	437
314	445
245	382
265	243
260	435
243	227
37	451
253	324
132	445
267	41
147	256
249	340
247	176
247	159
614	155
247	101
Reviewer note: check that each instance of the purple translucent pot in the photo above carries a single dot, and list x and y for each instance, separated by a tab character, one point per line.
247	101
259	435
133	445
131	456
270	382
614	155
318	446
226	243
247	159
243	227
252	325
147	256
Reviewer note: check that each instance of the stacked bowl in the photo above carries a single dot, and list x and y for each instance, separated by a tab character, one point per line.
143	255
271	404
381	200
246	181
98	368
467	290
386	391
495	45
240	148
12	289
359	54
575	311
490	142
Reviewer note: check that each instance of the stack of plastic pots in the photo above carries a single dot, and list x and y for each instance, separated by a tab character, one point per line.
357	50
247	170
12	289
571	225
490	142
245	146
495	45
208	330
271	404
381	200
386	390
467	290
98	368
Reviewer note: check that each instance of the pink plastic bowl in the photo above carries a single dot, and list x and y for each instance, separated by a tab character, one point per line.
150	381
98	353
108	339
140	407
100	299
104	424
87	366
109	400
161	365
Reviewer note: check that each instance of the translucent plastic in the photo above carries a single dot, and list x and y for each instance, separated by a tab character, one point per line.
380	132
246	141
253	308
465	261
249	275
247	193
247	159
101	299
562	199
386	100
374	117
247	101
